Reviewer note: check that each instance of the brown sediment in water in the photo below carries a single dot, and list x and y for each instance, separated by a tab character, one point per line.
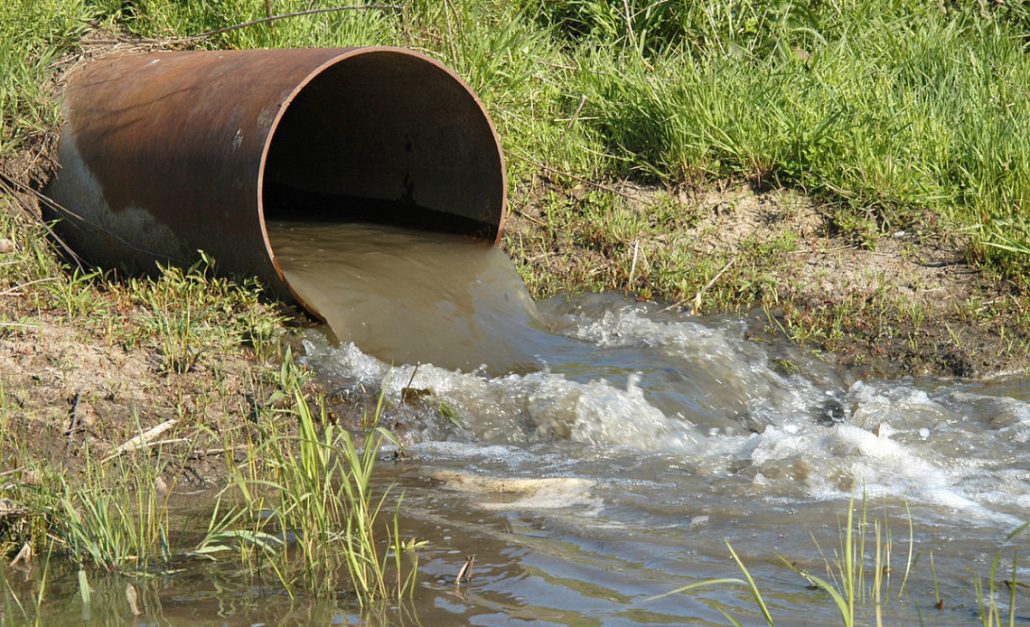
409	296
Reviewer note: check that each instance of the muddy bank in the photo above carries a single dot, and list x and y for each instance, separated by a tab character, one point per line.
902	302
89	363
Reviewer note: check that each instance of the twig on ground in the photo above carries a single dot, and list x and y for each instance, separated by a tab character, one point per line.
143	440
16	290
576	177
532	219
11	186
73	416
573	120
215	451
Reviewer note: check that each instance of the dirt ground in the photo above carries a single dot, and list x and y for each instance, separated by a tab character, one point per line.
906	302
68	397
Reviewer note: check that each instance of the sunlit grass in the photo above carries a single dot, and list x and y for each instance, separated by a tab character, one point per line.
299	505
888	110
857	583
33	35
316	487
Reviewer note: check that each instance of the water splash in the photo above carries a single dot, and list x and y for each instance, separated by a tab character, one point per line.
616	390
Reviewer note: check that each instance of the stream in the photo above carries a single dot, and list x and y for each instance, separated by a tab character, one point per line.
592	452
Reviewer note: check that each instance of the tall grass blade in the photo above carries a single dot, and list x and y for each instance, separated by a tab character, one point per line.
751	585
843	607
700	584
911	548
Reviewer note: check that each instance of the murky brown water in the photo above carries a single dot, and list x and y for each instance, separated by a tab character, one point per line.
406	297
625	447
661	435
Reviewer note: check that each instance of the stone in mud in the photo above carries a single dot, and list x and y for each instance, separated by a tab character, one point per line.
831	413
6	246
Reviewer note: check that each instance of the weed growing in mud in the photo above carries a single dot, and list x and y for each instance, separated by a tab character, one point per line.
316	488
650	248
190	312
116	525
74	294
987	599
116	515
298	505
856	587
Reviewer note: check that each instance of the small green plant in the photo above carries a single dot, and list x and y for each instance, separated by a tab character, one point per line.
74	294
747	582
848	583
176	338
317	488
990	612
118	521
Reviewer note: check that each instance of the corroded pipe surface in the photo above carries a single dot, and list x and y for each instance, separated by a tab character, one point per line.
166	153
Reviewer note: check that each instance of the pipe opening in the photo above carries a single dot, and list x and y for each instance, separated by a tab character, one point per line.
386	136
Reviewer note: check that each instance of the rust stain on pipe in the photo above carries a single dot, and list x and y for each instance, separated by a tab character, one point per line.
166	153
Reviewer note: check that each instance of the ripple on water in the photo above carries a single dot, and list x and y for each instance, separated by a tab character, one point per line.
634	436
940	444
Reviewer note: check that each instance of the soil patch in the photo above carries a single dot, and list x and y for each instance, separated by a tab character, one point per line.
899	303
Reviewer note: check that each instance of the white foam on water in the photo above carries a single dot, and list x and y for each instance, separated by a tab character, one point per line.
843	459
936	445
523	408
735	372
445	449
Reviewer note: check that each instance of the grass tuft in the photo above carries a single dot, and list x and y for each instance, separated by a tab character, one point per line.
853	585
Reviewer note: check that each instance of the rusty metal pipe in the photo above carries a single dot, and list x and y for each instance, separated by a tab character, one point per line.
163	154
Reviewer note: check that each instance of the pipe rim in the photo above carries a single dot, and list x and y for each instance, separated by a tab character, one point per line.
345	55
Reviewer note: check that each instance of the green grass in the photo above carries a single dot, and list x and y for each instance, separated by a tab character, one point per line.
890	109
900	113
33	35
117	521
857	584
298	509
893	111
317	487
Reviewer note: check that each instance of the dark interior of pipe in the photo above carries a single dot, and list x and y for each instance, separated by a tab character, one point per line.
388	138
